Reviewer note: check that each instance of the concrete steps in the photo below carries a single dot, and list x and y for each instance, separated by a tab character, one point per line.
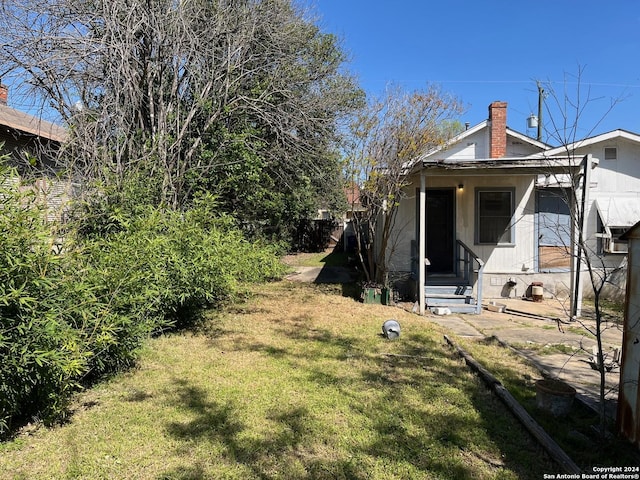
455	298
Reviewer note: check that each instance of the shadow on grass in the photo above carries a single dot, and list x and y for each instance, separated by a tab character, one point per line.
406	430
339	268
351	289
471	415
217	425
415	413
468	420
336	258
192	472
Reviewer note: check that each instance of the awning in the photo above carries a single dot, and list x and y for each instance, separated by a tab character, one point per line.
618	212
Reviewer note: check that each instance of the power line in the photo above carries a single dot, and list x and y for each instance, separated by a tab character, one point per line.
546	82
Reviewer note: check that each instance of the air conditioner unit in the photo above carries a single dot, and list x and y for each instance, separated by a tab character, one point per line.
619	246
613	245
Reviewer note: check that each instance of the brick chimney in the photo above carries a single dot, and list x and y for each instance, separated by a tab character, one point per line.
497	129
4	94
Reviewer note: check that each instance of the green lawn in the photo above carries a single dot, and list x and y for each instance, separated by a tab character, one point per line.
296	384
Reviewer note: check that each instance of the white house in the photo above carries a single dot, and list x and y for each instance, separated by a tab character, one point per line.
614	196
492	214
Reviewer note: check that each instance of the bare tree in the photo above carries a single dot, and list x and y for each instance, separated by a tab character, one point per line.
385	137
168	88
564	112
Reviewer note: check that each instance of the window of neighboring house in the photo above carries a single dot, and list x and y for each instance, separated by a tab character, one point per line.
610	153
494	213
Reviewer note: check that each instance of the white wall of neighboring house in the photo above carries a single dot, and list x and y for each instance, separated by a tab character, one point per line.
615	194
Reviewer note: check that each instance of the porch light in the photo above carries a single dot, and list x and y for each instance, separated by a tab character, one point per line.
460	187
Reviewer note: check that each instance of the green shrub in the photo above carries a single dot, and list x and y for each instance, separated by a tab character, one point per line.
40	354
163	268
72	318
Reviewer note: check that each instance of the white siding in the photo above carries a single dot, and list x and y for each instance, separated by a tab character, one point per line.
471	147
404	232
476	146
619	178
518	148
498	258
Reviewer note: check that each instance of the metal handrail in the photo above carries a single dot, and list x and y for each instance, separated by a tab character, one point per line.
468	257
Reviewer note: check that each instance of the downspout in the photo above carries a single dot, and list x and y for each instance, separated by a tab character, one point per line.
421	243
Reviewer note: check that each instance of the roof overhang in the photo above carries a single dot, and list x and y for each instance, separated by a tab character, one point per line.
519	165
587	142
31	125
618	212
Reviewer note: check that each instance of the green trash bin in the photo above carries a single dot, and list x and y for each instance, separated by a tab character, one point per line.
372	295
376	295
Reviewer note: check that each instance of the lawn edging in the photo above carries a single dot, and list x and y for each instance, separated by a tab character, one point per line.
554	450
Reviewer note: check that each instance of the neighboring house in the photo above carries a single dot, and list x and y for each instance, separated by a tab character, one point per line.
487	215
614	198
26	135
31	144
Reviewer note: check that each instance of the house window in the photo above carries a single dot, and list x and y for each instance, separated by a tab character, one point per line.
610	153
494	211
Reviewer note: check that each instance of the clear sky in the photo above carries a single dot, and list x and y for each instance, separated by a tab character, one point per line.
487	50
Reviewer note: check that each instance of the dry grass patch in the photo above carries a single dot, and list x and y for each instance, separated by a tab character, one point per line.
296	383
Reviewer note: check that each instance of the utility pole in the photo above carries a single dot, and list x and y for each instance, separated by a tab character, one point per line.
540	99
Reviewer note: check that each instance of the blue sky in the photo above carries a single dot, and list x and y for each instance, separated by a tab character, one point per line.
487	50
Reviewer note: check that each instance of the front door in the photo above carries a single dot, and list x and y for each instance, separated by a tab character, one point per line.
440	231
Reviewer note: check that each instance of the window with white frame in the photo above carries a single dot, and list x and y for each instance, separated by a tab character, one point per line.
494	213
